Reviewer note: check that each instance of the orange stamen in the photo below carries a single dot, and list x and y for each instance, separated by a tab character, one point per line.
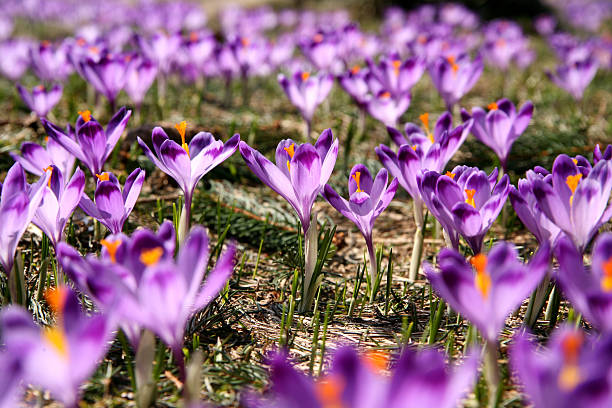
94	49
451	60
56	299
111	248
182	127
245	42
151	257
49	168
606	280
385	95
482	281
451	175
377	360
570	376
305	75
290	151
425	120
86	115
492	106
355	69
572	183
81	42
396	66
45	43
414	147
329	391
470	197
103	176
317	38
57	338
193	36
422	39
356	177
500	43
39	87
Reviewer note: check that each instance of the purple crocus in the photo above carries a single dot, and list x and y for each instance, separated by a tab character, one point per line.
575	77
138	280
162	48
35	159
368	198
528	209
107	75
40	100
299	175
188	163
573	371
354	83
489	289
466	201
112	205
18	204
589	289
58	202
419	379
49	62
140	75
61	357
386	108
499	128
455	76
306	92
598	155
15	57
394	75
92	145
575	202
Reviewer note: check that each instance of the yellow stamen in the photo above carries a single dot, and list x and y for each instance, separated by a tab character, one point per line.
396	66
57	338
575	161
111	248
182	127
290	151
305	76
451	61
329	391
355	69
492	106
572	182
451	175
356	177
151	256
482	281
425	120
414	147
103	176
570	375
86	115
470	197
606	280
377	360
385	95
49	168
56	299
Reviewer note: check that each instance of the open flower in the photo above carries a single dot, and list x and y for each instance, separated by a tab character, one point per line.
368	198
41	100
59	200
453	77
61	357
501	126
589	289
394	74
387	108
35	159
575	77
92	145
465	201
573	371
577	199
112	205
488	288
107	75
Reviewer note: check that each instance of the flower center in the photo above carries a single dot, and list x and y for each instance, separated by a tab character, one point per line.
421	39
572	182
492	106
56	299
356	177
355	69
451	175
39	87
482	281
385	95
317	38
470	197
606	280
182	127
245	42
111	248
305	75
453	64
500	43
377	360
103	176
193	36
50	169
290	151
151	256
329	391
396	66
86	115
425	120
57	338
569	377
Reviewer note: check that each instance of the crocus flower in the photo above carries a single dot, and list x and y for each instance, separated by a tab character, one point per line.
40	100
528	209
18	204
394	75
489	289
499	128
107	75
589	289
306	92
61	357
575	77
112	205
448	138
573	371
598	155
354	83
139	77
576	203
58	202
386	108
15	57
162	48
188	163
455	76
466	201
368	198
35	159
138	279
92	145
49	62
419	379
